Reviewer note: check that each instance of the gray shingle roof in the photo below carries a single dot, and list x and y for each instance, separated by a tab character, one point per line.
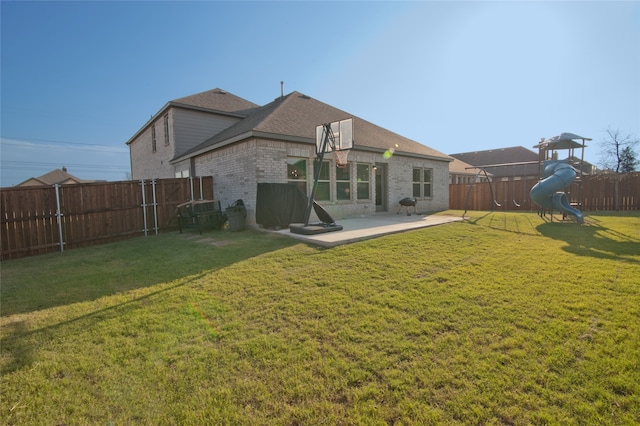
295	117
215	99
57	176
501	156
462	168
497	156
53	177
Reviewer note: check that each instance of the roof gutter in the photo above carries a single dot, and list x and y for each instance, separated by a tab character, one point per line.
289	138
404	154
239	138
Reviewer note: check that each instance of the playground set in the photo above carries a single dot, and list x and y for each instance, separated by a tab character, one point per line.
559	184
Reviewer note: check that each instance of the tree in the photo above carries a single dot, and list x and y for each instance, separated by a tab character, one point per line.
618	156
617	151
628	160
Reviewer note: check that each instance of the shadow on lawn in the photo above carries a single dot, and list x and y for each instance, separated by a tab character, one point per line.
593	239
19	345
504	222
80	275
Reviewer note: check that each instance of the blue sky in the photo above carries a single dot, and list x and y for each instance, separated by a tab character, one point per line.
78	79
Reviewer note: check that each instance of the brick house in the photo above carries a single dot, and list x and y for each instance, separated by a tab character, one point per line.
56	176
461	172
180	125
513	163
242	144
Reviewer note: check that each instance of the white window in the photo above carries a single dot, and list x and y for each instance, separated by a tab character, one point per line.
422	182
343	183
323	189
363	187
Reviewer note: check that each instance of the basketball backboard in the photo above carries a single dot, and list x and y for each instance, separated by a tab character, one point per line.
342	133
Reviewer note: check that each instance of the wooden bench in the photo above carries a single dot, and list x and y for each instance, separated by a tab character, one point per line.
200	214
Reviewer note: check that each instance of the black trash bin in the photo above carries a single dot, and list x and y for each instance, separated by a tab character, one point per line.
236	214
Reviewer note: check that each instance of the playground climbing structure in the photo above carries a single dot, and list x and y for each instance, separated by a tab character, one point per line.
560	184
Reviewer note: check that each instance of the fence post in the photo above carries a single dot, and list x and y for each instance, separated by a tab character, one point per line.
144	208
59	216
155	206
201	194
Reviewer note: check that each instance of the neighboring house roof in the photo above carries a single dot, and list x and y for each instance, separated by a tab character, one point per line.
216	101
503	161
294	117
459	167
59	176
514	154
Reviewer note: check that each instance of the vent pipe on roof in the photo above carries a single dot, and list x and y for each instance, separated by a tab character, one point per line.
282	89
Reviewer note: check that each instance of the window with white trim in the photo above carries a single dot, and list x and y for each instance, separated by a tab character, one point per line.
363	187
323	189
422	180
343	183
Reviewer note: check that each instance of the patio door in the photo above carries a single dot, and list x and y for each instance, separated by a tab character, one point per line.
382	201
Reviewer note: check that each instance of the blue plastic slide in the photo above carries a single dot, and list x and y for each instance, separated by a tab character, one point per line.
546	193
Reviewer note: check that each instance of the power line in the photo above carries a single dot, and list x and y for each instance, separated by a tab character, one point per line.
23	141
8	164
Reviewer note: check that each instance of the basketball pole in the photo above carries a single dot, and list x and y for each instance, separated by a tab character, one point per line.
328	139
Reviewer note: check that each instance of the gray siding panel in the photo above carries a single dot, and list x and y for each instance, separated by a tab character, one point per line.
191	128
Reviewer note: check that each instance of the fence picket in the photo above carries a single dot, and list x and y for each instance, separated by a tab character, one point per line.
32	223
597	194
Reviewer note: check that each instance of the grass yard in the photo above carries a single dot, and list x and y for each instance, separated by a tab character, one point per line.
501	319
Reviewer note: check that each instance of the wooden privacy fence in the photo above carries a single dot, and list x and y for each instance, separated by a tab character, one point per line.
43	219
598	194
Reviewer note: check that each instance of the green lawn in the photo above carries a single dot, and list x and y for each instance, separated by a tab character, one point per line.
501	319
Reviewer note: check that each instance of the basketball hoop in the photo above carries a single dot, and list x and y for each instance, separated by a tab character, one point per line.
341	158
336	137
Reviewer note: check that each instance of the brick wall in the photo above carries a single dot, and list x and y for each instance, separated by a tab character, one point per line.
238	168
234	174
146	164
187	129
401	182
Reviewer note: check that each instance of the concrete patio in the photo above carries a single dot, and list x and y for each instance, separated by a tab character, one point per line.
363	228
